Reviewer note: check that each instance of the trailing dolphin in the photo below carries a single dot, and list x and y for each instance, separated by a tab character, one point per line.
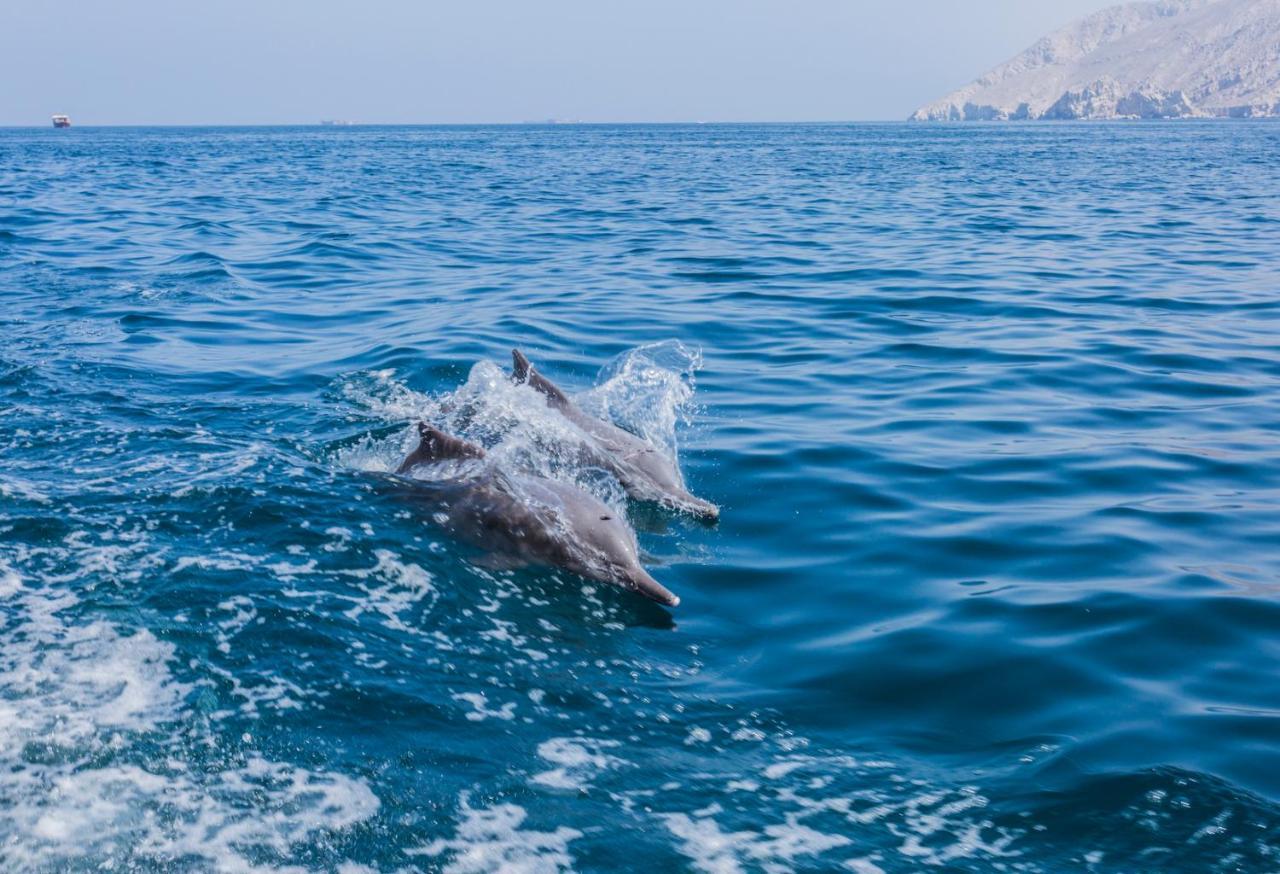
530	520
643	470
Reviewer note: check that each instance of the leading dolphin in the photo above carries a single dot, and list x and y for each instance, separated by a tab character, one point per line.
531	520
644	471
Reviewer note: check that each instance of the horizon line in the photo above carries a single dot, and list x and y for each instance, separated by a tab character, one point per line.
552	123
531	123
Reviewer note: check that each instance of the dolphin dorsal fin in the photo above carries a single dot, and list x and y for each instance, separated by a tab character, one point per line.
522	371
435	445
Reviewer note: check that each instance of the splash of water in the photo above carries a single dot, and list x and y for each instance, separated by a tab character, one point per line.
648	390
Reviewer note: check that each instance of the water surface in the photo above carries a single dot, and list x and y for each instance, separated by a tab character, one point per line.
991	412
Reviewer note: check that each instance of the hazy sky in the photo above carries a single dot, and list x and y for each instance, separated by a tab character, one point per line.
298	61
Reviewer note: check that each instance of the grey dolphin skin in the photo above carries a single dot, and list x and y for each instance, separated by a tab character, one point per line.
644	471
532	520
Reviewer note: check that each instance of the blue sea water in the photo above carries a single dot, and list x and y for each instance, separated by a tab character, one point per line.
992	413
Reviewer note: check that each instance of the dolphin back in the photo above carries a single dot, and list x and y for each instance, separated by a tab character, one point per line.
523	372
646	473
435	445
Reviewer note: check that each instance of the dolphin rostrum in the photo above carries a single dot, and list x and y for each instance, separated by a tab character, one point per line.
643	470
531	520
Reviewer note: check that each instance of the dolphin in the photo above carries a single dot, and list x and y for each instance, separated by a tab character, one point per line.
644	471
530	520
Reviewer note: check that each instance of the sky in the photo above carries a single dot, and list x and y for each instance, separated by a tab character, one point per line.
476	61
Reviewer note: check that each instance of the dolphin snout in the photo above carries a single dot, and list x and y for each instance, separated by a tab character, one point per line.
646	585
700	508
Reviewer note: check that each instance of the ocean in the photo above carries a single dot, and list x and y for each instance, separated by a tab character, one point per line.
992	414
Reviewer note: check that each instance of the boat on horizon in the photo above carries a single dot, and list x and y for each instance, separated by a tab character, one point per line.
62	121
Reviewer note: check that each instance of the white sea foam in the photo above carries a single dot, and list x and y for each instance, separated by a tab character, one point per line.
270	692
381	394
576	761
10	582
819	804
491	841
94	767
697	735
13	487
243	612
221	561
403	585
719	852
480	709
227	818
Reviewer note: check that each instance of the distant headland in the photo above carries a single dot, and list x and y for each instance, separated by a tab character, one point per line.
1167	59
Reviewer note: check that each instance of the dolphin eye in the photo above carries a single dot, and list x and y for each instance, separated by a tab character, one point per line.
605	518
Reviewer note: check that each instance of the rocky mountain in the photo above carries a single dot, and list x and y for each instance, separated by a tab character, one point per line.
1166	59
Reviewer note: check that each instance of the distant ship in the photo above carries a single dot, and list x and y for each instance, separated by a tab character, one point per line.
62	121
336	122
